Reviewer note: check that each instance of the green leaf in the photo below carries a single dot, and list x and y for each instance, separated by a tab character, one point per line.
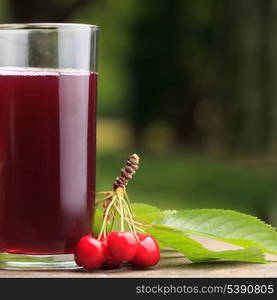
171	229
195	252
225	225
146	213
97	222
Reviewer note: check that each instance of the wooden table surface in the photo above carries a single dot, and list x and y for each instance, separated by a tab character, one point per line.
172	264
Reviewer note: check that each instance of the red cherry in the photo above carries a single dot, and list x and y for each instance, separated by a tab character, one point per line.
77	261
110	262
89	253
122	246
148	252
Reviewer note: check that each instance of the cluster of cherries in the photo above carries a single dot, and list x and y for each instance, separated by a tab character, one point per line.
141	250
111	249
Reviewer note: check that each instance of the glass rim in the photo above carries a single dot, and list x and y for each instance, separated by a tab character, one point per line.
47	26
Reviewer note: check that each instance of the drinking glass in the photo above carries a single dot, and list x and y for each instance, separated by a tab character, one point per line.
48	82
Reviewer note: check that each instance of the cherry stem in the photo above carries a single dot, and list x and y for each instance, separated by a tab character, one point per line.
128	221
104	199
104	193
112	224
130	216
119	203
121	213
106	217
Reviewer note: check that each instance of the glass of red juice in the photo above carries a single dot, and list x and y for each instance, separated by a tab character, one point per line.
48	82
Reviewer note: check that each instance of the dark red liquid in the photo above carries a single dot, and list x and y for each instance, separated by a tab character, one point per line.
47	159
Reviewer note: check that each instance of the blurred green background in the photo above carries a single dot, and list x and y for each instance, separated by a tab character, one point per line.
190	86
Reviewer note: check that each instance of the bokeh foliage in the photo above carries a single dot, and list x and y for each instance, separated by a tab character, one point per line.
189	85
